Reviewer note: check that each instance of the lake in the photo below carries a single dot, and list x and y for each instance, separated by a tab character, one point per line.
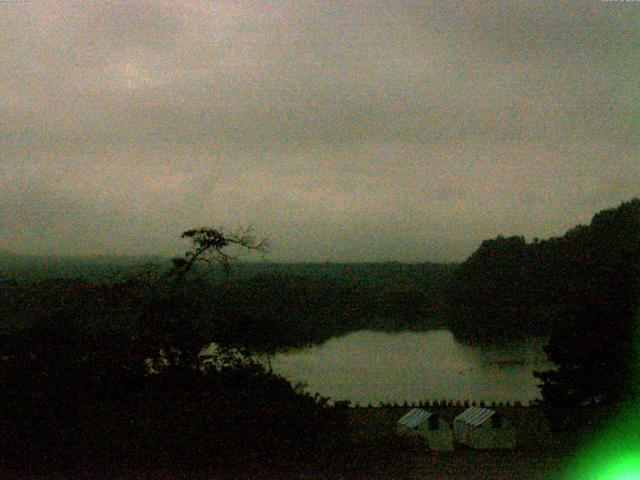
373	367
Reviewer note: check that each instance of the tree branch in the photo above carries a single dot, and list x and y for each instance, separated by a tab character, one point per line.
208	247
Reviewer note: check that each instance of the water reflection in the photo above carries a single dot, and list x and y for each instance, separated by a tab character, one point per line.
373	367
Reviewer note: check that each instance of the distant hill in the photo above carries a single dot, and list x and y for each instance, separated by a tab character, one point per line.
509	288
40	267
305	302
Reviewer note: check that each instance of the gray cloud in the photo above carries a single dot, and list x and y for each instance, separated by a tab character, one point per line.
391	130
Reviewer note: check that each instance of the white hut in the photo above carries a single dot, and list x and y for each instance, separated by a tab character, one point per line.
482	428
429	426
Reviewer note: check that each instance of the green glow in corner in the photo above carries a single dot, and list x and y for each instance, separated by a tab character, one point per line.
615	454
625	469
615	457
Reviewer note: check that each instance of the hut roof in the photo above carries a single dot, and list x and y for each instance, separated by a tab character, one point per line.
414	418
475	416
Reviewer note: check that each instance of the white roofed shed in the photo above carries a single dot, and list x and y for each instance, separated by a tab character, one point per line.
483	428
427	425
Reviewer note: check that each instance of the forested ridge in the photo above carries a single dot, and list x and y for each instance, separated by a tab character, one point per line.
508	288
109	376
298	303
582	290
109	369
511	288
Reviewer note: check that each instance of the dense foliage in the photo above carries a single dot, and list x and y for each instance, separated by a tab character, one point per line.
510	288
281	306
593	340
111	375
582	289
107	366
73	398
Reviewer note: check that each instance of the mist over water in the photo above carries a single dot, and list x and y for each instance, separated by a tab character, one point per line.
373	367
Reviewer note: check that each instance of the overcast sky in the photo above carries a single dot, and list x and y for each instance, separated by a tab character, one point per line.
362	131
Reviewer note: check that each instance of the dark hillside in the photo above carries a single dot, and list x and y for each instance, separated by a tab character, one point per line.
509	288
296	304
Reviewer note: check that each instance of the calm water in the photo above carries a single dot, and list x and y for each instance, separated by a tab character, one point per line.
368	366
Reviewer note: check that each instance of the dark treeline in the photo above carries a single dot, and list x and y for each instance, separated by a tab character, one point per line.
510	288
507	289
287	306
108	369
88	268
110	376
581	289
295	310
